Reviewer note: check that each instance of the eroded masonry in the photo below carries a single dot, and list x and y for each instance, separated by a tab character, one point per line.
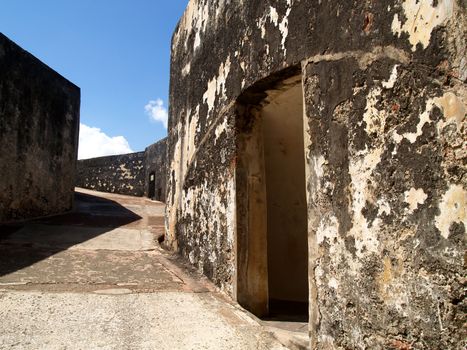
317	155
39	125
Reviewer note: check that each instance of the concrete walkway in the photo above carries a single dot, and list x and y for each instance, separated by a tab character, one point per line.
97	279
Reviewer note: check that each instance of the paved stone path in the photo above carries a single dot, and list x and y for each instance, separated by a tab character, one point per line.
96	278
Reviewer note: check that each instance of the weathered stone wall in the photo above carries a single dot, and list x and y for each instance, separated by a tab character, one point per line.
384	97
156	164
122	174
127	174
39	123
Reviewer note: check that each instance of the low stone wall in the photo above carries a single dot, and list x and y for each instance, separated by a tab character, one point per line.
135	174
156	170
122	174
39	126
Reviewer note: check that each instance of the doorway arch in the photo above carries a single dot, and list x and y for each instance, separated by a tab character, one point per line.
152	185
272	234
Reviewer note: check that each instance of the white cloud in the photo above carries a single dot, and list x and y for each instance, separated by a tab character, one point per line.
157	111
95	143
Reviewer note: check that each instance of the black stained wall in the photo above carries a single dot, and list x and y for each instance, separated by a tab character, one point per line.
156	164
39	126
122	174
384	108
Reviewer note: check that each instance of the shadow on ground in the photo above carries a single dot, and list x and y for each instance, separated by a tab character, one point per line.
26	243
287	311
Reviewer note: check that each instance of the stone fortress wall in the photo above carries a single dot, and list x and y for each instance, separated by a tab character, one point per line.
380	88
39	126
156	166
122	174
135	174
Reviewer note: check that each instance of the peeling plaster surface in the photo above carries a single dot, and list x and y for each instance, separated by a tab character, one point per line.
385	140
422	18
372	116
373	198
195	19
360	170
216	86
186	69
423	119
414	198
282	24
328	230
453	109
452	209
392	79
212	215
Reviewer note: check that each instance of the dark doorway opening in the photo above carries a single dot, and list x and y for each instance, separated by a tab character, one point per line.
159	194
287	233
272	229
152	185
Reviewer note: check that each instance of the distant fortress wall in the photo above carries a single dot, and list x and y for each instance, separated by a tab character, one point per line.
135	174
122	174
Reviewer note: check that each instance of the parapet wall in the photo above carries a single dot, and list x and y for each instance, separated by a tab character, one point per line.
39	125
135	174
122	174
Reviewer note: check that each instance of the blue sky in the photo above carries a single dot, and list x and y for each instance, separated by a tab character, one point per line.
116	51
